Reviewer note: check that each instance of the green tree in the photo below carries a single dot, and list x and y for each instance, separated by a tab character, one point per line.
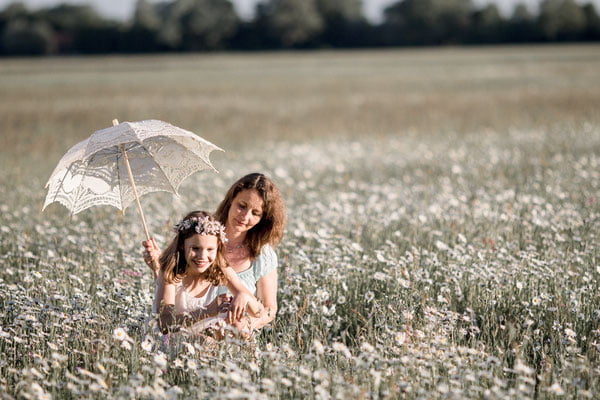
343	22
12	12
146	16
207	24
71	23
561	20
197	24
71	18
142	34
418	22
487	25
592	22
522	26
23	37
291	23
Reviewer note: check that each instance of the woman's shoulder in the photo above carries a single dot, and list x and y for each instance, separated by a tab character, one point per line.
267	254
267	250
265	262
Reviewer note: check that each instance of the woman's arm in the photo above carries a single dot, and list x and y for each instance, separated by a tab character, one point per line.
151	256
266	291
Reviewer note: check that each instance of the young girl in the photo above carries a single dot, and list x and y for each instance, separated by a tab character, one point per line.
191	269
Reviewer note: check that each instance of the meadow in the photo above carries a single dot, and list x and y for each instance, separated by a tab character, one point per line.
442	237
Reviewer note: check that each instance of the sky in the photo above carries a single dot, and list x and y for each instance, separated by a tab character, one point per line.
123	9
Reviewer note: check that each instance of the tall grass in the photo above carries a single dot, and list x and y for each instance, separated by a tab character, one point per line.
442	236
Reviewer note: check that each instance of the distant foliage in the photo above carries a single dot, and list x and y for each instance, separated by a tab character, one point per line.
208	25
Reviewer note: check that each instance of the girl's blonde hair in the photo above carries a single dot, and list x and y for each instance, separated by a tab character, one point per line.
269	229
172	261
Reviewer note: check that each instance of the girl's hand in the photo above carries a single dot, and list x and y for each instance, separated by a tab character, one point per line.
219	305
238	307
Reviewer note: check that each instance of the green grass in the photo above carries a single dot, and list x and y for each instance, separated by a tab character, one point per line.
443	213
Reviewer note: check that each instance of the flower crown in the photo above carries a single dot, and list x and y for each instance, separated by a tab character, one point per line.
203	226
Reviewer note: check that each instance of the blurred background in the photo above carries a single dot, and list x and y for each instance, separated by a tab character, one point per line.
48	27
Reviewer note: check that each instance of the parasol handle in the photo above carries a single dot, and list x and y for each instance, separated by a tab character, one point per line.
155	266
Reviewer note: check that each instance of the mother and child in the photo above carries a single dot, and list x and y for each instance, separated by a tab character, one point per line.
220	272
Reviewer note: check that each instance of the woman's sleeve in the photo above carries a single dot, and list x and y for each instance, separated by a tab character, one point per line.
265	262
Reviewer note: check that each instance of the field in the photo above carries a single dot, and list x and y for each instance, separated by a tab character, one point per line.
442	237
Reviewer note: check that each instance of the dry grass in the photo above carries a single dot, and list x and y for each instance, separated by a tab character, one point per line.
239	100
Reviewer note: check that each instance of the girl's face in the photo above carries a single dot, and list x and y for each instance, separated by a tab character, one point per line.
200	252
245	212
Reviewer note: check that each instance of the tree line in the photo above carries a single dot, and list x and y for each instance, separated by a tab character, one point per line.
210	25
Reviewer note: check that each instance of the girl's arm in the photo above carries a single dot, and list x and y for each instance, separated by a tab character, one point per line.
266	291
243	299
166	305
159	290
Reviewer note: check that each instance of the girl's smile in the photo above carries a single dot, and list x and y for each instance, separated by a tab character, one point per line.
200	252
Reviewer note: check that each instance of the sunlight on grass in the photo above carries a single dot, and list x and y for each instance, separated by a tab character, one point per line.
442	236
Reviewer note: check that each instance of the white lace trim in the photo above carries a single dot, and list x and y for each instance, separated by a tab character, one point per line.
93	171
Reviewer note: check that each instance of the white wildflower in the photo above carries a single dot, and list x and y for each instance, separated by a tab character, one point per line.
318	347
147	344
341	348
570	333
367	347
380	276
441	245
192	364
120	334
400	338
320	375
556	389
160	359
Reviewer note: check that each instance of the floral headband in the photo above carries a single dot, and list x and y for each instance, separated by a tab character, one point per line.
203	226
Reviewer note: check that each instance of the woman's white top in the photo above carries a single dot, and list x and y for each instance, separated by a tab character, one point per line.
262	265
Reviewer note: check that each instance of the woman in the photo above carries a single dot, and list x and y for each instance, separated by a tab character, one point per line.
254	217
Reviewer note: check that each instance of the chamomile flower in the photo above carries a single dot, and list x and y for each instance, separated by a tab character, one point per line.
556	389
120	334
147	344
160	359
318	347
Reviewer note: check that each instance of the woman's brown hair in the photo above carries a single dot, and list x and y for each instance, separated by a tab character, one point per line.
173	263
269	229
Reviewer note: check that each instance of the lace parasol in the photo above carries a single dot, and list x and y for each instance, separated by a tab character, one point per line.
117	165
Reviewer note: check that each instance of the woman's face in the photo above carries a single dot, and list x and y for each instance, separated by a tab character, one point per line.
245	212
200	252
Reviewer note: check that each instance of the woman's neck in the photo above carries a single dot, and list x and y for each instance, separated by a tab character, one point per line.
235	238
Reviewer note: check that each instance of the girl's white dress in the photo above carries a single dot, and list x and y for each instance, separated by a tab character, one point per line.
186	303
